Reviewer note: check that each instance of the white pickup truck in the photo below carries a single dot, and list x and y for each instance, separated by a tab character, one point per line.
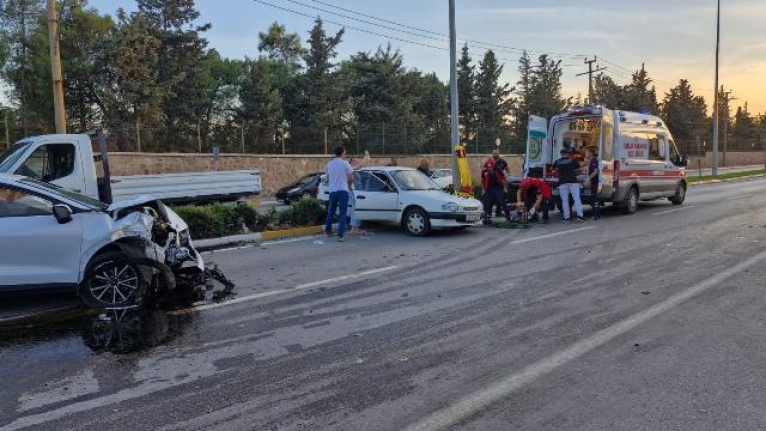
68	161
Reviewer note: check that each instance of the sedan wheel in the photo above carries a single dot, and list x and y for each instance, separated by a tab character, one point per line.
416	222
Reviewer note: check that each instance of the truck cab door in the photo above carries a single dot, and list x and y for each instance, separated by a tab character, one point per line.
55	163
538	150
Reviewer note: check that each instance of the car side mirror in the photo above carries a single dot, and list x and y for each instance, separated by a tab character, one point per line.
63	213
680	160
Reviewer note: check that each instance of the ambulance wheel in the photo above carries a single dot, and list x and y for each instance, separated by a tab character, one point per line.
630	206
680	195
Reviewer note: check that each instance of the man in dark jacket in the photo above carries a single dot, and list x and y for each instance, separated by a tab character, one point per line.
493	183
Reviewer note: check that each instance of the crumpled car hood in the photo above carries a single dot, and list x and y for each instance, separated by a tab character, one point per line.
174	220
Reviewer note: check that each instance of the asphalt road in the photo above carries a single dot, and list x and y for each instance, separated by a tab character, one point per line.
652	321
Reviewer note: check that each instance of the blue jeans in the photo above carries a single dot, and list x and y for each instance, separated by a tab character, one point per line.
337	198
564	190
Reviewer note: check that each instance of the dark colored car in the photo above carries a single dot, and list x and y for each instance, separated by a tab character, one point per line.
306	186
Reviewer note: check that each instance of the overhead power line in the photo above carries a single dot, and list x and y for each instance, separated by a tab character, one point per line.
352	27
515	50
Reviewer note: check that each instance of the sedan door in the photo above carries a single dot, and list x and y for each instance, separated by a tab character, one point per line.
35	250
376	197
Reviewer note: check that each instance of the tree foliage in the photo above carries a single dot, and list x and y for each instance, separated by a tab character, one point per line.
149	77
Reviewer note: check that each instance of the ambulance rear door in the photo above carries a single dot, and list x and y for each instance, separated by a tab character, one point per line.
538	149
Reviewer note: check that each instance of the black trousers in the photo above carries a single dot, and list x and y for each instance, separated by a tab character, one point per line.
594	203
494	196
545	205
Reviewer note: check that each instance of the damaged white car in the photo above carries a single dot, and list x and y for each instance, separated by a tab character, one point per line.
122	254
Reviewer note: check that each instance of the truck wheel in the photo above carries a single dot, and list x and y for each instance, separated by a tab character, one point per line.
416	222
630	206
680	195
112	280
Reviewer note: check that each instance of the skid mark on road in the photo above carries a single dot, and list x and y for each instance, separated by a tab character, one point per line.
675	210
482	399
255	296
520	241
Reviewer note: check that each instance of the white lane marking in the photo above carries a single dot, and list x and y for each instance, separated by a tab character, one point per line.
265	243
552	235
482	399
255	296
675	210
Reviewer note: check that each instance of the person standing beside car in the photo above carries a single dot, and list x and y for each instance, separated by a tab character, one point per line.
340	183
493	183
568	168
595	181
355	222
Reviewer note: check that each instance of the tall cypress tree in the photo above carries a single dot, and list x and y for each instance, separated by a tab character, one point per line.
494	103
466	81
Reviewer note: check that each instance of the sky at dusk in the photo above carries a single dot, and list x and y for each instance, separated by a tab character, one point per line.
674	38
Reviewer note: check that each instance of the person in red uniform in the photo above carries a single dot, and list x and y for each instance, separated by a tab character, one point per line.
535	193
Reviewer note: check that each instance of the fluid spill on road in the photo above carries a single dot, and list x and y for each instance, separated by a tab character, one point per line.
117	330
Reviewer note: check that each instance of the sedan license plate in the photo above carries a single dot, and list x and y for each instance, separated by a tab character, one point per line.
472	217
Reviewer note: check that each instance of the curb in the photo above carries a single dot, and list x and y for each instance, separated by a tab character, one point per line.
727	180
289	233
255	238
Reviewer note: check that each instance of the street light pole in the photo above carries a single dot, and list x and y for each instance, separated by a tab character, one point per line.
454	133
715	93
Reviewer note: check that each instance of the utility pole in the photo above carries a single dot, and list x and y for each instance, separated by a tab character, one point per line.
715	94
58	83
454	132
590	73
726	99
7	132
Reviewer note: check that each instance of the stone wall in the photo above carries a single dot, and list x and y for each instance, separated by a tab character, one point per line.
279	170
276	170
732	159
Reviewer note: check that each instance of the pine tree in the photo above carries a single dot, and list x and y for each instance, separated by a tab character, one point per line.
638	95
179	68
545	88
466	81
607	93
322	96
685	113
522	110
744	126
494	103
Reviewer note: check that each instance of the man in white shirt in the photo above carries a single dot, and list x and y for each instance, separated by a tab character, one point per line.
339	181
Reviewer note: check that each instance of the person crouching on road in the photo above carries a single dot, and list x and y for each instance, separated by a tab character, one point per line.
535	193
340	181
568	168
493	183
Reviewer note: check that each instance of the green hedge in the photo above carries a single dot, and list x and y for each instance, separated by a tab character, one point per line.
217	220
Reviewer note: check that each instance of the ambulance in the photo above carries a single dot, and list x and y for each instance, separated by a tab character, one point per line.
639	160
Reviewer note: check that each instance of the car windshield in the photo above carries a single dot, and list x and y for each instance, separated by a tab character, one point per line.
57	191
12	155
307	179
414	180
